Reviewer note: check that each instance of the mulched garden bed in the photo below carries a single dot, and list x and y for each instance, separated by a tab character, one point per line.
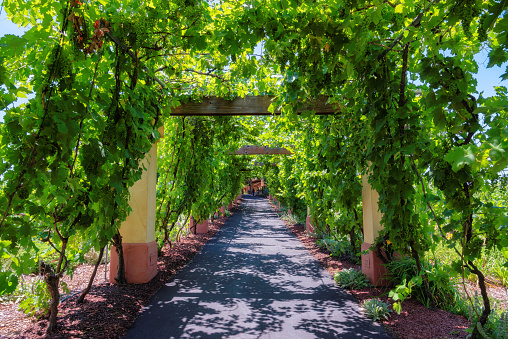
121	304
414	322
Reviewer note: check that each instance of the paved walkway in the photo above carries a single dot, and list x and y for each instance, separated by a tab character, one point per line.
254	279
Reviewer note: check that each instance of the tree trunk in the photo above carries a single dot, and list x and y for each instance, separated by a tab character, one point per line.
52	281
352	239
120	272
90	282
486	302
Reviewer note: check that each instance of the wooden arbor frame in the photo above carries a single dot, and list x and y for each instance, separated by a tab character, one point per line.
248	105
253	150
138	231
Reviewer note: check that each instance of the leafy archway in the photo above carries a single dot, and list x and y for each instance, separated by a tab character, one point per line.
103	77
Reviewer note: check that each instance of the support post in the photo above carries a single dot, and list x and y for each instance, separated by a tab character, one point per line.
138	230
192	225
372	266
202	227
308	225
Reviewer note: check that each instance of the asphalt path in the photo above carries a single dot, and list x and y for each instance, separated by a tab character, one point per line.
254	279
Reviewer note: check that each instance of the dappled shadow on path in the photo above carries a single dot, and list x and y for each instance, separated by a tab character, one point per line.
253	280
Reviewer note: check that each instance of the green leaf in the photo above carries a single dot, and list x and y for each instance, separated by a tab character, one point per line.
460	156
8	282
397	307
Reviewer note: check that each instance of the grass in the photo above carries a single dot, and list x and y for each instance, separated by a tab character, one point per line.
491	263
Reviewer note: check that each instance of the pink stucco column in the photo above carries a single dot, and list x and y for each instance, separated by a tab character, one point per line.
196	228
138	229
372	266
202	227
308	224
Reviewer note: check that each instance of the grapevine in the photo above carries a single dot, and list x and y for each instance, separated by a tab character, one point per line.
102	79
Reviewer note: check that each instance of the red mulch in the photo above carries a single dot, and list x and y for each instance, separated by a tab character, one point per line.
414	322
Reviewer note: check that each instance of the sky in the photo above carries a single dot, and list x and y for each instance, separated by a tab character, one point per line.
487	78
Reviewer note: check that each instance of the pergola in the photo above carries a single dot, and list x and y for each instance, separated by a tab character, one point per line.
138	230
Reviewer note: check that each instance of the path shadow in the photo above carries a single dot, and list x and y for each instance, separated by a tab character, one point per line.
253	280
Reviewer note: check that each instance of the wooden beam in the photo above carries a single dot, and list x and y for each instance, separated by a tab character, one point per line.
261	164
253	149
249	105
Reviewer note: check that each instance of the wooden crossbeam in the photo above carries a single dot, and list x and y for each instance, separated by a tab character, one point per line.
249	105
253	150
261	164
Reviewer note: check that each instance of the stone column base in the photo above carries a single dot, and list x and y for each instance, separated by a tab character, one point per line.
373	267
308	225
140	262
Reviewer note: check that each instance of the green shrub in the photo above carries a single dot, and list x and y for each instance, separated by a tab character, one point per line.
35	300
496	326
337	248
351	279
376	309
160	244
440	285
321	243
290	218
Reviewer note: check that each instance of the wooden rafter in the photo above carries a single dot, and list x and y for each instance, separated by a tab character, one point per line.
249	105
261	164
253	150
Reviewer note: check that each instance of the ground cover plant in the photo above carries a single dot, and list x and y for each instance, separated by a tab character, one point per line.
351	279
376	309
